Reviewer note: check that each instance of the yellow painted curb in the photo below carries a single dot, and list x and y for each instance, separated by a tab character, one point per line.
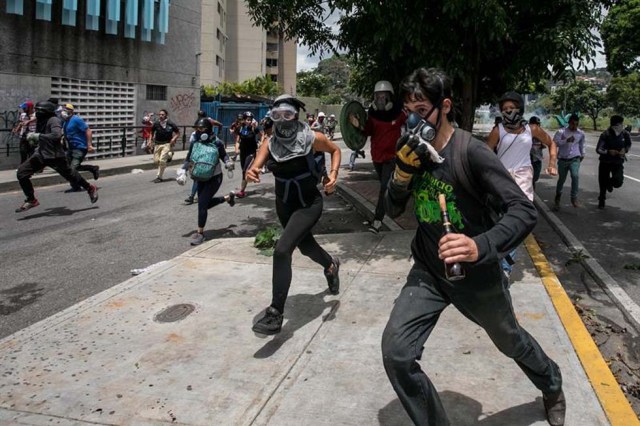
614	403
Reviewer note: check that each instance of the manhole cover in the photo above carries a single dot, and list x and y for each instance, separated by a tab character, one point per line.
174	313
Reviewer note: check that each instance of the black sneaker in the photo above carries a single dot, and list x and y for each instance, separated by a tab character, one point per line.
93	193
270	323
232	199
601	204
333	279
28	204
189	200
157	180
96	172
555	406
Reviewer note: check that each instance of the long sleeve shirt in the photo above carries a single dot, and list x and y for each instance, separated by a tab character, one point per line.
609	141
570	143
468	216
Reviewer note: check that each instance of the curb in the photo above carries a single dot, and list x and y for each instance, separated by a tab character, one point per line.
618	296
613	401
364	206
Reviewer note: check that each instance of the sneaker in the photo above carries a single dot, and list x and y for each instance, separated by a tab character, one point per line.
270	323
362	154
609	188
93	193
601	204
96	172
232	199
67	191
333	279
241	194
189	200
575	203
197	239
27	205
556	204
555	406
375	226
157	180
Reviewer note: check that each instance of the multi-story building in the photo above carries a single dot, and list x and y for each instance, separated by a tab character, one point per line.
233	49
113	59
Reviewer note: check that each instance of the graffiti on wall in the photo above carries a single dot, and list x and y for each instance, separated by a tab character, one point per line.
9	119
182	105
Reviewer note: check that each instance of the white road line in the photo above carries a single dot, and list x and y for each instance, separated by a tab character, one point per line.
632	178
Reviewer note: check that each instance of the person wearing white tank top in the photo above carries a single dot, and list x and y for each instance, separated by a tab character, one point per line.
512	140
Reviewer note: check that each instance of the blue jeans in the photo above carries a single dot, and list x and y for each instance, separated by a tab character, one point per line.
416	313
568	166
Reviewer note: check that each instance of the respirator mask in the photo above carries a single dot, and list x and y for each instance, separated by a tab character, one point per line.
425	132
284	121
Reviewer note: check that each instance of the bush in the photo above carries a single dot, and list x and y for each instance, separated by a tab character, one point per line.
266	240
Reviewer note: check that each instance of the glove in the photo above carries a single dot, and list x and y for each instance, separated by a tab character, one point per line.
229	166
33	138
409	155
182	177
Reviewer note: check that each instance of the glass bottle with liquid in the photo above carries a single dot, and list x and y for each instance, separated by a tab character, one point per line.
453	271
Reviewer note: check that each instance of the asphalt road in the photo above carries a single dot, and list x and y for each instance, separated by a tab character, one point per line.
612	235
68	249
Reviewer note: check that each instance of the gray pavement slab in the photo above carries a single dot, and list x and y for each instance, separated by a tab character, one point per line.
106	361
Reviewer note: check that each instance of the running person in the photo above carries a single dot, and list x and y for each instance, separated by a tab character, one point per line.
289	156
207	188
49	152
247	143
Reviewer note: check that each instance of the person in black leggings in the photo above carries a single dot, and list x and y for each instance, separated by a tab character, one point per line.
289	155
207	188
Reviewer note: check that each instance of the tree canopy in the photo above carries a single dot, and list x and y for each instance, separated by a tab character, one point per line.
623	94
261	86
487	46
620	33
581	97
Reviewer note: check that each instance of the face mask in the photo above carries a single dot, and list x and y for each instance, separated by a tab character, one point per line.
382	102
64	114
511	118
286	129
617	129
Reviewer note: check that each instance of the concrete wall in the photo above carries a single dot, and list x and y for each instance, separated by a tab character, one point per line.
246	48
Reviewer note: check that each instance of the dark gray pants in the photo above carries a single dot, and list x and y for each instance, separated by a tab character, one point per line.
416	313
384	172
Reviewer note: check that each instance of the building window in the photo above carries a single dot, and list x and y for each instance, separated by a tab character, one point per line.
15	7
272	47
274	77
272	62
156	93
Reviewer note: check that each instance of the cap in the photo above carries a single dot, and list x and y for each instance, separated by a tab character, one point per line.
69	107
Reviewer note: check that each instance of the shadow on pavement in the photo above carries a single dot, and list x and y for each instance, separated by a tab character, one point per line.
57	211
300	310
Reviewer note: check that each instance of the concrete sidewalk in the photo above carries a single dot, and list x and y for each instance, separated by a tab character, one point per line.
111	360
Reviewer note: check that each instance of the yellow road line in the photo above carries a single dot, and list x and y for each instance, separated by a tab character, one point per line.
614	403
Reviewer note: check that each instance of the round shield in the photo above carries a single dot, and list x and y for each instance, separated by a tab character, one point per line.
352	120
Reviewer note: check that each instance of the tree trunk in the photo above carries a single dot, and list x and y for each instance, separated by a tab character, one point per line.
469	96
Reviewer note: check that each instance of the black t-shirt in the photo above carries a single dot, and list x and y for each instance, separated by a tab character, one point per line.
467	214
163	135
248	139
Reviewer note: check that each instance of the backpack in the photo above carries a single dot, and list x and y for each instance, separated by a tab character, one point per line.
463	175
204	158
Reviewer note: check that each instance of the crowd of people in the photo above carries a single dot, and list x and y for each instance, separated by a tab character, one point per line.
418	152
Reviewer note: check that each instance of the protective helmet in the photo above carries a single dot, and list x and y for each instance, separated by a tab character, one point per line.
239	117
288	99
332	116
534	120
383	86
248	114
205	123
46	107
514	97
321	114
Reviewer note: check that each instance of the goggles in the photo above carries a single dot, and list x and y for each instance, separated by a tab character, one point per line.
284	112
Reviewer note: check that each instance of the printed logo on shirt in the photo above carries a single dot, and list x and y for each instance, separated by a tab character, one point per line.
427	207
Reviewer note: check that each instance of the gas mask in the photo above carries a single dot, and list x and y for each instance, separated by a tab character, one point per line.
64	114
382	101
202	137
425	131
286	129
511	118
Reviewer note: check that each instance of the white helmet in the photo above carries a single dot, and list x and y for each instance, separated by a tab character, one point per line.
321	114
332	116
383	86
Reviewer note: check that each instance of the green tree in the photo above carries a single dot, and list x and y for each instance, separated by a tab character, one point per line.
260	86
312	83
487	46
620	33
581	97
623	94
